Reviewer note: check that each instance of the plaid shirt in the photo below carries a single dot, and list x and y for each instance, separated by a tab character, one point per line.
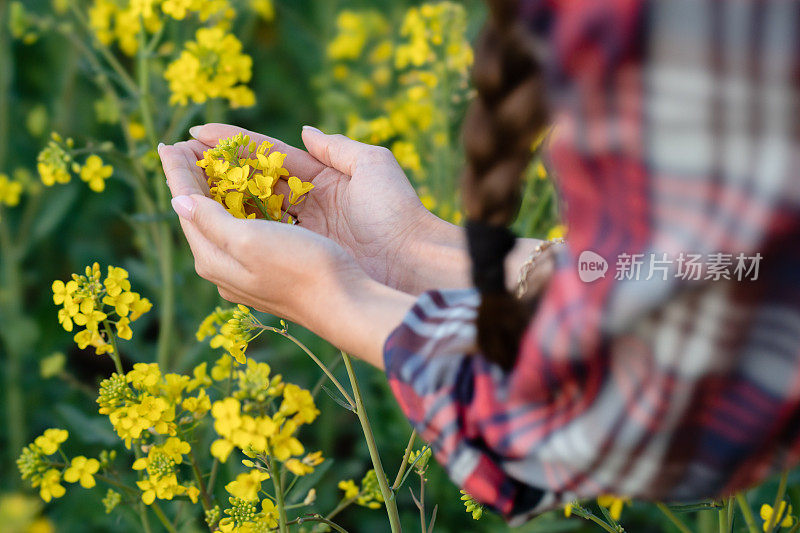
676	133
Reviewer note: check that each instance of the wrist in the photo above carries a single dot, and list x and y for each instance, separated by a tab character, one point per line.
435	256
356	313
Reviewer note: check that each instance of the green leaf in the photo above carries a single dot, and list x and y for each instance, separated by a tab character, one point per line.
59	203
89	429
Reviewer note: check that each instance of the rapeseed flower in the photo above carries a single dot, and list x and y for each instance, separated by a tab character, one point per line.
10	191
781	518
82	470
242	176
211	66
89	303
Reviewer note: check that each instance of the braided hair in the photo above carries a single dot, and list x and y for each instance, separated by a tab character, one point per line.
507	114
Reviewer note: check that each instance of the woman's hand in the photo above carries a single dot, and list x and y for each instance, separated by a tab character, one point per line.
284	270
363	201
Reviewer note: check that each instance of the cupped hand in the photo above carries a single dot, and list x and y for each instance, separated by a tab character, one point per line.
271	266
361	200
285	270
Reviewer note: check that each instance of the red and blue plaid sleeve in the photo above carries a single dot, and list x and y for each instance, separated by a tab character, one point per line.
676	135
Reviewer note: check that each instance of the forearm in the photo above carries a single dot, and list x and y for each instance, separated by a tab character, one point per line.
437	258
357	314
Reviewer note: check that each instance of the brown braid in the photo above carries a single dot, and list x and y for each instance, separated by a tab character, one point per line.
500	126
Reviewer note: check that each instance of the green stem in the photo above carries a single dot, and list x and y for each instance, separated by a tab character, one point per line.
386	491
399	478
115	354
11	309
724	525
747	513
317	518
105	51
143	518
587	515
314	358
279	503
673	518
162	518
165	249
204	496
773	520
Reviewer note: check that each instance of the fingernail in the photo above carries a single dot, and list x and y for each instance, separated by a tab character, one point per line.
194	131
312	128
183	206
160	146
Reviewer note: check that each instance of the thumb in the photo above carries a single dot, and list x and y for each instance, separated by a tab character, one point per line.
208	217
340	152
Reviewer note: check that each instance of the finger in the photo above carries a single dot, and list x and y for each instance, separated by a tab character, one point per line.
342	153
216	225
210	262
298	162
180	172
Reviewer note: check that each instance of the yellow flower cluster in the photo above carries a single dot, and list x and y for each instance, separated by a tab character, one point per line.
242	177
88	302
430	27
161	465
55	160
368	495
355	30
115	21
34	463
230	330
211	66
144	402
264	434
409	96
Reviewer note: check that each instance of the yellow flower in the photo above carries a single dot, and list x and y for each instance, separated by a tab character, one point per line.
298	400
221	449
124	330
783	518
116	281
83	470
613	503
350	488
200	378
568	510
144	376
197	405
275	206
136	130
95	173
246	486
50	485
63	291
298	188
284	444
10	191
306	465
212	66
227	415
557	232
241	176
263	8
50	440
52	162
